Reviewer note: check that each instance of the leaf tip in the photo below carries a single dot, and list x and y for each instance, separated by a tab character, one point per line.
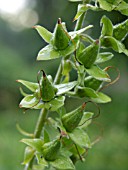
35	26
20	106
59	21
21	140
74	19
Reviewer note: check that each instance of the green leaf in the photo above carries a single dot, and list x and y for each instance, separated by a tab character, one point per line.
81	9
55	103
65	152
107	28
44	33
48	53
80	137
85	92
34	143
28	155
93	8
22	92
72	149
23	132
75	33
103	57
102	98
38	167
46	136
61	111
31	86
116	45
86	120
120	31
41	160
63	163
63	88
29	101
109	5
98	73
123	8
32	102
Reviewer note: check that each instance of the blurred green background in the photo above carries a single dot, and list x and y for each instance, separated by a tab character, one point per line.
19	44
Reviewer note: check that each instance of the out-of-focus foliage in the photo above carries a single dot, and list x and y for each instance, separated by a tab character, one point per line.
18	52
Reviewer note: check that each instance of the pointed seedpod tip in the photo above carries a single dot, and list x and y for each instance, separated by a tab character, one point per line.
44	75
59	21
97	41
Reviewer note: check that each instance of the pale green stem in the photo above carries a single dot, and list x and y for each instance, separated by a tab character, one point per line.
37	133
58	76
40	123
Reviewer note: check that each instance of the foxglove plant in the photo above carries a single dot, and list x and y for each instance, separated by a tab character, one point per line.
71	141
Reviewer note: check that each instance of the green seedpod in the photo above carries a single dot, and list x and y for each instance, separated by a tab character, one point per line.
92	83
60	38
51	149
88	55
120	30
72	119
47	89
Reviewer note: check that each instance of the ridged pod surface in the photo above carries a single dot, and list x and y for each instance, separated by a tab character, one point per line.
61	38
72	119
92	83
51	150
89	54
47	89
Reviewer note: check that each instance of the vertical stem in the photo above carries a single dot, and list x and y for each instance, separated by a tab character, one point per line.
40	123
58	75
37	133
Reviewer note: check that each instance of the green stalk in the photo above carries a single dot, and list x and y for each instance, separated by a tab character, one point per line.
37	133
58	76
40	123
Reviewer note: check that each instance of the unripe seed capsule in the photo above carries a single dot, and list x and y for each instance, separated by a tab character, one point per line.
93	83
120	30
72	119
88	55
61	38
47	89
51	150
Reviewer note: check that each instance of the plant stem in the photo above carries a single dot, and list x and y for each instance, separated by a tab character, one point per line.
37	133
58	75
40	123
